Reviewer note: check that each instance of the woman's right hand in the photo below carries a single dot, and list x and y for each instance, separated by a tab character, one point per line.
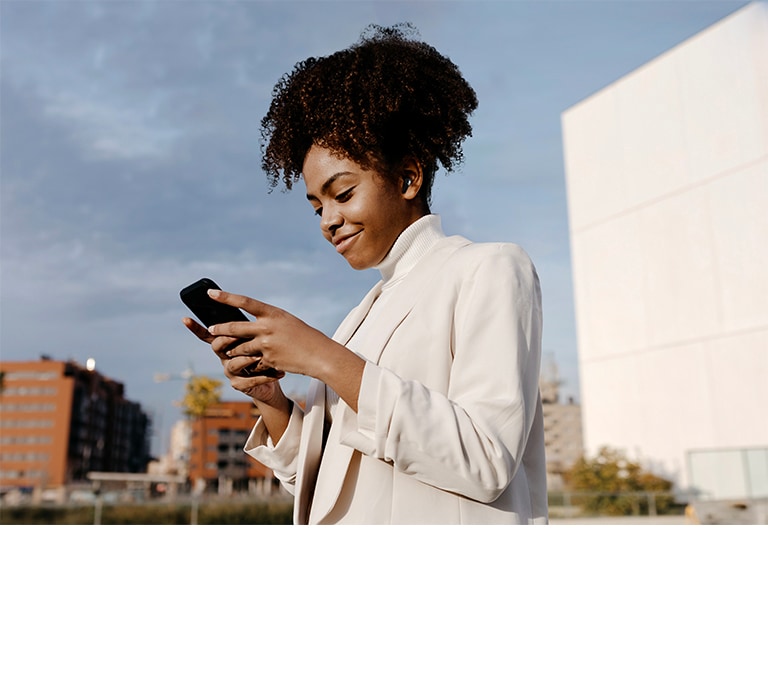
242	371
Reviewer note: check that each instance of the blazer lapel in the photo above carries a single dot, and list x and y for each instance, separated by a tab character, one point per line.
311	446
348	327
408	293
312	433
398	307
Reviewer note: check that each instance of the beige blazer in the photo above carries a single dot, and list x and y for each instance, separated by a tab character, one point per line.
449	426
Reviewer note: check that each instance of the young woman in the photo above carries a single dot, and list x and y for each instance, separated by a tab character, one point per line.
424	406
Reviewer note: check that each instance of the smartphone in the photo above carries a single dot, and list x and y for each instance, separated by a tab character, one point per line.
206	309
211	312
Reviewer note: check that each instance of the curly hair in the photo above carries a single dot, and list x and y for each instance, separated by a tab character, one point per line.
386	98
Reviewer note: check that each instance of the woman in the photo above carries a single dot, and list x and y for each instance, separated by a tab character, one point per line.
424	406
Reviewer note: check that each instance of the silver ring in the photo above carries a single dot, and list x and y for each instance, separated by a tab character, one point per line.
251	370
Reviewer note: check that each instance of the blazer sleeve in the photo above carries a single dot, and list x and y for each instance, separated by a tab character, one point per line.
282	457
471	439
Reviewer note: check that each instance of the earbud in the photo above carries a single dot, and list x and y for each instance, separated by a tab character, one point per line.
406	183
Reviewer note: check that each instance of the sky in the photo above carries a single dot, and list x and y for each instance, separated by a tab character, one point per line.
130	166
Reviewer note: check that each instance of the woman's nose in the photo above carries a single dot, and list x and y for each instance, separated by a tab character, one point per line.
330	222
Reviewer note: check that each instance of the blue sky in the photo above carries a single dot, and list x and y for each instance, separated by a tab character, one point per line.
130	162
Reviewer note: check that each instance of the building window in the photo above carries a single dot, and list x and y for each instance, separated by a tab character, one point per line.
28	456
25	408
25	440
26	423
31	375
29	391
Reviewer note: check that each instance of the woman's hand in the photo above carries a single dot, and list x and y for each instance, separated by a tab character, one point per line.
243	373
284	343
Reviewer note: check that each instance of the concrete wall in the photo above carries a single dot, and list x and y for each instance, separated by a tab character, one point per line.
667	180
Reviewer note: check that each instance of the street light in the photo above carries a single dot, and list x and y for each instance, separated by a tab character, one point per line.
167	377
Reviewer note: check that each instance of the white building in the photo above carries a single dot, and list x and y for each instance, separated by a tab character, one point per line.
667	180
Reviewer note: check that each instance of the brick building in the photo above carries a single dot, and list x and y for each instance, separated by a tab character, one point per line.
60	420
216	457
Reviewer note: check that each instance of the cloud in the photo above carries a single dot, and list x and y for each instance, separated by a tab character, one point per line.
115	131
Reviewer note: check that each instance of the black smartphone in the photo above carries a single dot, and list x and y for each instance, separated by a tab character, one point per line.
206	309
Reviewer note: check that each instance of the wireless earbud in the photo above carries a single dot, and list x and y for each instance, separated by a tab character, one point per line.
406	183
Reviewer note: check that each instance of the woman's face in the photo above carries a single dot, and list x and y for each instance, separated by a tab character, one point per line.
361	212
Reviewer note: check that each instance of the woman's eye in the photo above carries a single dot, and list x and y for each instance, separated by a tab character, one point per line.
343	197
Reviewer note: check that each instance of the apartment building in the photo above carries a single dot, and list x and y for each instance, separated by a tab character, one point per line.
216	460
60	420
562	431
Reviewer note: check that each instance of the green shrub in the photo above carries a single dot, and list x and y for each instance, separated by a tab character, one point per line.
208	512
246	513
611	485
47	515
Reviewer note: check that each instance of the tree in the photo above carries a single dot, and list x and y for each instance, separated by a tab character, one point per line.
616	486
201	393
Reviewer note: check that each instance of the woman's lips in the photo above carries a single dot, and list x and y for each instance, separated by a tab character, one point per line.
345	242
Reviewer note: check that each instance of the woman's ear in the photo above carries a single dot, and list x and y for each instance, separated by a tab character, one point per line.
412	178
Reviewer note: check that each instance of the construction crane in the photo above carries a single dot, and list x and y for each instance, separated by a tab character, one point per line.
184	375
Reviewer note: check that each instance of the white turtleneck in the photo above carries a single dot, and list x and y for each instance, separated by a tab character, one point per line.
412	244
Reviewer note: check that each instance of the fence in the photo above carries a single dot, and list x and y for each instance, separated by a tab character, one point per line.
569	503
278	509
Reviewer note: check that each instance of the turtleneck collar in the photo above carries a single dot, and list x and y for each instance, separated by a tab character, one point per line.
409	247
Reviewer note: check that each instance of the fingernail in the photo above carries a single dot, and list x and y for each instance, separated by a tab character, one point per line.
213	293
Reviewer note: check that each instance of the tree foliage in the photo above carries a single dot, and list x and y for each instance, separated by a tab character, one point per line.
612	485
201	393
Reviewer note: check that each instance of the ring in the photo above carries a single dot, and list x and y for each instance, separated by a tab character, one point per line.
251	370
